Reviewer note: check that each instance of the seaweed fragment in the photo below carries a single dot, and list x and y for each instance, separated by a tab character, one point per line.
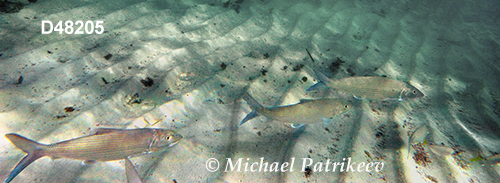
310	55
266	55
19	80
135	99
104	80
263	72
307	172
297	67
223	66
148	82
108	56
69	109
421	157
334	67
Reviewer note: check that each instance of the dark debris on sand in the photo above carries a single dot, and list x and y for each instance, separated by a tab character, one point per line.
9	7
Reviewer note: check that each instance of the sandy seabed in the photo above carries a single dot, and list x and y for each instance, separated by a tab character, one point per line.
184	65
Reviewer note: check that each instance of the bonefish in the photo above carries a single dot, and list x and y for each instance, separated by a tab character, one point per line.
370	87
307	111
106	144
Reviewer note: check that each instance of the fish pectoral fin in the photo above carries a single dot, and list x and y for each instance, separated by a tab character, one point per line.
132	175
297	125
327	120
401	95
88	162
99	131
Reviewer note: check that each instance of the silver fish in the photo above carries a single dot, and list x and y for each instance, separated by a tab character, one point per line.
305	112
107	144
370	87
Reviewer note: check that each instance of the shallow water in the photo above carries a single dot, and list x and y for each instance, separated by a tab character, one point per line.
185	65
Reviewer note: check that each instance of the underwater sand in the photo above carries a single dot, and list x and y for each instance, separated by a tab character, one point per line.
200	55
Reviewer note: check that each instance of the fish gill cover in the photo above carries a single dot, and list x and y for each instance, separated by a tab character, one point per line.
184	65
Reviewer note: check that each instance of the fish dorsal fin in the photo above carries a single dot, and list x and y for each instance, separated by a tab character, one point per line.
322	80
322	77
305	100
99	131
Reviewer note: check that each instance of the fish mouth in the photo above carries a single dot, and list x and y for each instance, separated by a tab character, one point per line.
173	143
420	94
179	137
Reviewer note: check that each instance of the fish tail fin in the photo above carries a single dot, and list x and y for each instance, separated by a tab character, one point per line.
256	108
32	148
252	102
249	116
25	144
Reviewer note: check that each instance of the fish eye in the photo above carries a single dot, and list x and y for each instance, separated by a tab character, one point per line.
414	91
168	137
345	106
